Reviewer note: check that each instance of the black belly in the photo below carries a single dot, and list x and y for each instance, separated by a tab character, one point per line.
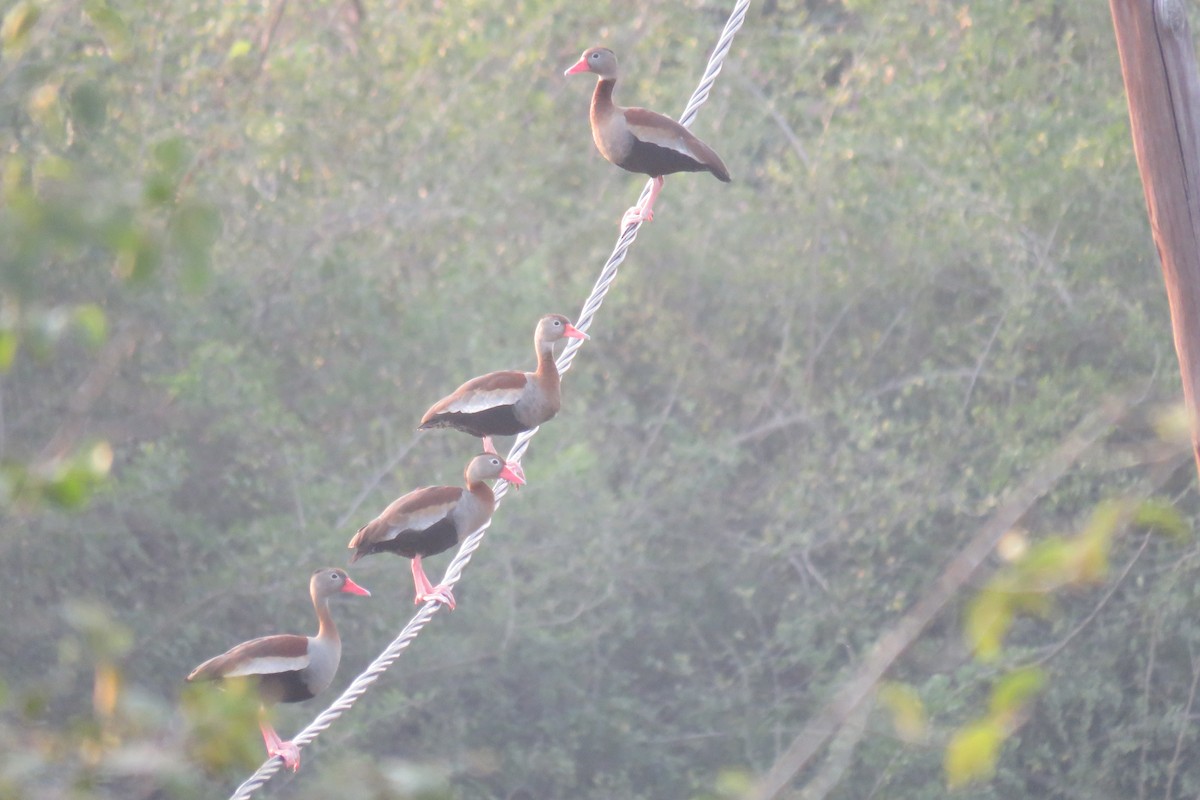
284	687
498	421
650	159
437	538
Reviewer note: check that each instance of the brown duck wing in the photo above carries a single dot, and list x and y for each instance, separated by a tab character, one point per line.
419	509
268	655
658	132
479	394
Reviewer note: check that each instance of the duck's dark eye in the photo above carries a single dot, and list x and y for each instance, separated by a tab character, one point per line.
595	55
557	323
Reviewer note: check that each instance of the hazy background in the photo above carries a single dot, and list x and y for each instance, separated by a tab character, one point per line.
241	258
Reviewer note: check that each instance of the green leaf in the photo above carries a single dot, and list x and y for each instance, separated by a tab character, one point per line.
1090	558
89	107
733	783
222	730
1105	519
158	189
18	22
239	49
972	753
1090	549
988	618
908	712
1031	602
1161	516
112	28
9	342
69	489
171	155
72	485
1046	567
91	320
138	255
146	260
1015	689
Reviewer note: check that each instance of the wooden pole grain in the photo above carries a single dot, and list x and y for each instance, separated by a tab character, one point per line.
1158	63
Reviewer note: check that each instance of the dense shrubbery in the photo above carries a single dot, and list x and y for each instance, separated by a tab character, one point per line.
232	282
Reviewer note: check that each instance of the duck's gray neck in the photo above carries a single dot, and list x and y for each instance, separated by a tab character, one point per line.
324	650
326	629
602	102
546	367
475	508
483	494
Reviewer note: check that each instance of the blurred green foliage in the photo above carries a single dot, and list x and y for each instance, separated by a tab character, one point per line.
241	258
1029	586
130	743
908	712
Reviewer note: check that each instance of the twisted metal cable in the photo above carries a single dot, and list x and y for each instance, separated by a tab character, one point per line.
454	571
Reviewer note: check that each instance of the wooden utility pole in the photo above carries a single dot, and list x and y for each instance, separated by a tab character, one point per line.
1163	90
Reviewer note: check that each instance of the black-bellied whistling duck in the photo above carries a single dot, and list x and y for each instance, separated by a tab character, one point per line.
507	403
639	140
432	519
288	668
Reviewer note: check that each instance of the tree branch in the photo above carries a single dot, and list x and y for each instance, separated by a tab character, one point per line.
892	644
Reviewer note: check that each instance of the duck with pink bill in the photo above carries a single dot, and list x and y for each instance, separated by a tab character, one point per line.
432	519
638	140
510	402
288	668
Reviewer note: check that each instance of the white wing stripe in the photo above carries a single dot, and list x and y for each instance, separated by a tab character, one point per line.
419	520
482	401
662	138
268	665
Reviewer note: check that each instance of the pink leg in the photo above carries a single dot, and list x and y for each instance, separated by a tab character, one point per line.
420	581
644	212
289	752
425	590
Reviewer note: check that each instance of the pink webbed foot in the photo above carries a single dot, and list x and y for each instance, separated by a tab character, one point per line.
636	214
290	754
440	593
644	212
427	591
